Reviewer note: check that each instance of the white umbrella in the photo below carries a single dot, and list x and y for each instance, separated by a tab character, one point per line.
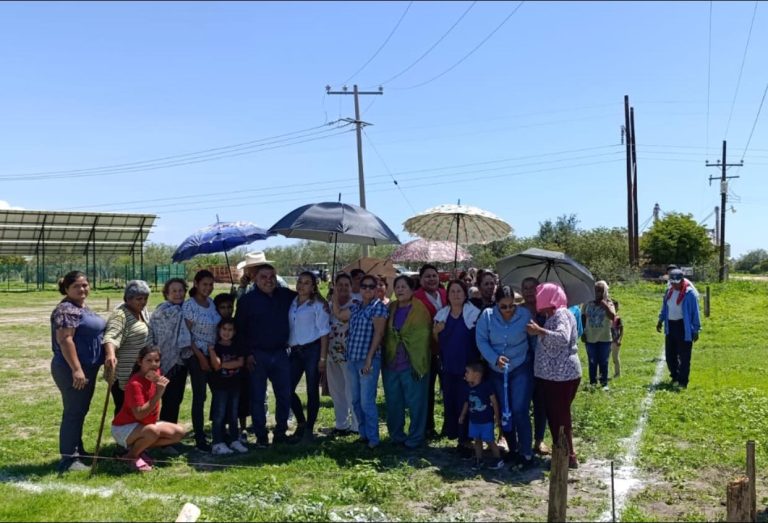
463	224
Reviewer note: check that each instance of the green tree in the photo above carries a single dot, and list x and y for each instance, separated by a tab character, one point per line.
559	235
677	238
750	260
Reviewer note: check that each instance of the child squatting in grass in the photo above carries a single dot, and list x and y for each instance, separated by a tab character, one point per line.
136	426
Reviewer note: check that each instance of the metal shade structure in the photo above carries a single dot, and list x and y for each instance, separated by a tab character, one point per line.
335	222
549	266
464	224
421	250
219	237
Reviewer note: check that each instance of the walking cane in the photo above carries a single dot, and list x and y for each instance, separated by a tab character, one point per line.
109	376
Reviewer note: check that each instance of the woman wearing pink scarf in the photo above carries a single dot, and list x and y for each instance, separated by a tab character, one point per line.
556	367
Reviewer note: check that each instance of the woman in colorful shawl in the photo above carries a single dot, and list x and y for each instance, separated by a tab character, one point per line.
406	365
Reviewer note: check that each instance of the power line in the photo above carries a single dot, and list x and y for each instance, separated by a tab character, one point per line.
754	124
376	150
152	167
419	59
381	46
478	46
741	70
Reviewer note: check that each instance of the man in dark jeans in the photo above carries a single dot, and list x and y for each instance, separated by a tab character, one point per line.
261	324
679	317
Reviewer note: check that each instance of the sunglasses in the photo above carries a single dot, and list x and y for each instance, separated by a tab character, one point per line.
506	307
369	287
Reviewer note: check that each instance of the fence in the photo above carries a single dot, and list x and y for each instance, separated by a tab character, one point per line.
26	277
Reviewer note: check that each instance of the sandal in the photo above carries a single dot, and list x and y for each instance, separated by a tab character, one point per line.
147	459
141	466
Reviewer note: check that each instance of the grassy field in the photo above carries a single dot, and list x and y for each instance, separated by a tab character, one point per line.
692	445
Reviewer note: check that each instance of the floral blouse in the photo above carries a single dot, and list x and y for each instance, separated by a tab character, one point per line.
337	339
557	357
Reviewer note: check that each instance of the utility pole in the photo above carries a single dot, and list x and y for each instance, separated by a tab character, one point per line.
630	221
359	124
723	196
635	224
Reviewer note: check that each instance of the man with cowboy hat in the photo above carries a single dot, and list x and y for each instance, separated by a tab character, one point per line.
249	265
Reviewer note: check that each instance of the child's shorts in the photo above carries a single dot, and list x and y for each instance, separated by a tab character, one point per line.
121	433
483	431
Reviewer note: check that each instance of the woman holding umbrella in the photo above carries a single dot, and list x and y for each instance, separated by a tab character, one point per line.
201	318
406	365
503	342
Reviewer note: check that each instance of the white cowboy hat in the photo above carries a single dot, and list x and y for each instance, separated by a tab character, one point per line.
252	259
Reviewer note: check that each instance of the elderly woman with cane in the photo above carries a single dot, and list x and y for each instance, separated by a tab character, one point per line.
557	368
76	341
127	333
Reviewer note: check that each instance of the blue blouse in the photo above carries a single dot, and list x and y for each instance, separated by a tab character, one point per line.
88	337
496	337
457	345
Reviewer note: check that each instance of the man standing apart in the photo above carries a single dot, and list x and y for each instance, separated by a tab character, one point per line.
434	297
680	318
261	323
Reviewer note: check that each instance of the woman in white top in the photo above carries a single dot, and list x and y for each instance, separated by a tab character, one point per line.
309	324
202	319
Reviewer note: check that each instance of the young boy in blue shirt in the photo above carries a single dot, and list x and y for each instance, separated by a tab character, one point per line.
483	409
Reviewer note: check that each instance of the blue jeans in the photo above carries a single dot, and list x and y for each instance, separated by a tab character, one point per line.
276	367
304	361
364	388
519	395
224	412
598	358
403	390
76	404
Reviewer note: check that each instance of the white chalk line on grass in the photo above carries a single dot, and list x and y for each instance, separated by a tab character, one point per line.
625	475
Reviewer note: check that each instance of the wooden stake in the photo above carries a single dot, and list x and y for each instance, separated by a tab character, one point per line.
752	480
558	479
738	501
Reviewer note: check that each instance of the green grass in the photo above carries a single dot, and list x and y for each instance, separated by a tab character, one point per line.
693	443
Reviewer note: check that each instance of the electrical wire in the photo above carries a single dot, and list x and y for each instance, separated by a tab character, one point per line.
741	70
478	46
166	165
217	150
419	59
754	124
392	32
376	150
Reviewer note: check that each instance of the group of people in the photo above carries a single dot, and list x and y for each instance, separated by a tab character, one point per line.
496	355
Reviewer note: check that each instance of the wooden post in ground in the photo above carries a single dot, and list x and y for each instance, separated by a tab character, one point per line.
558	479
738	503
108	309
706	303
752	481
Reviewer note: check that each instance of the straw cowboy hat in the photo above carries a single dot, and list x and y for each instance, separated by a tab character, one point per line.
252	259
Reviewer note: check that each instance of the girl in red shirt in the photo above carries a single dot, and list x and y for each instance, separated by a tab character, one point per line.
136	426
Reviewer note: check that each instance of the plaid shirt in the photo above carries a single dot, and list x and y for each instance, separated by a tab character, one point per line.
360	332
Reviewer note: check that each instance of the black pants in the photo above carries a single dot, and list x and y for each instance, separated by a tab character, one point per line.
304	361
118	395
433	372
199	379
678	352
174	393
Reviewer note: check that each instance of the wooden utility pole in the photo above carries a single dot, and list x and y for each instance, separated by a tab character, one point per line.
359	124
558	479
723	198
630	221
635	225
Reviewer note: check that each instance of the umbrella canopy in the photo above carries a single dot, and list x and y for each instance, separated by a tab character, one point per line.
463	224
219	237
375	266
426	251
335	222
549	266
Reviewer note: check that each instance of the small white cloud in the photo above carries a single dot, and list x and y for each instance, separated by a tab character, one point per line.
7	206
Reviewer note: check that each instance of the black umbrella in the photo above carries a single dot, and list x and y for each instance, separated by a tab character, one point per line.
335	222
549	266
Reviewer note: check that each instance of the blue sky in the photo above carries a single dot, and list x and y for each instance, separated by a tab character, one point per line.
527	127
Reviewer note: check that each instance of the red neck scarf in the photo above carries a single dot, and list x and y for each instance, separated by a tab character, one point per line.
683	289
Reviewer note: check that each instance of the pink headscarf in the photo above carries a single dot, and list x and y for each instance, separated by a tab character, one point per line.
550	295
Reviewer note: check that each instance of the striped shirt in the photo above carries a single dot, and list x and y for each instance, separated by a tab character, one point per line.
360	332
128	335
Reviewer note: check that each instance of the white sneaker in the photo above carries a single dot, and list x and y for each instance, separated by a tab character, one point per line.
221	449
238	447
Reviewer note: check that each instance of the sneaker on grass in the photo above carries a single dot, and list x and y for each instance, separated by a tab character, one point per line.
238	447
221	449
